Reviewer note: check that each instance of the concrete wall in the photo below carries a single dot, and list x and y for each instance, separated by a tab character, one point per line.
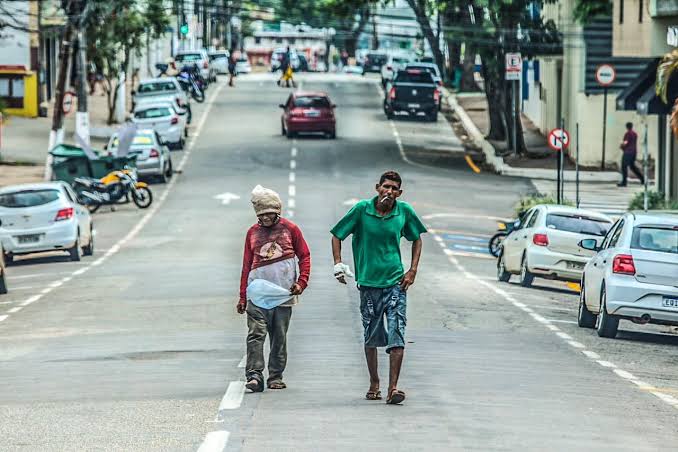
633	37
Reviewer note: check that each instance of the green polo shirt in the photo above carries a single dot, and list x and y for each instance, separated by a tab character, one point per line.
376	240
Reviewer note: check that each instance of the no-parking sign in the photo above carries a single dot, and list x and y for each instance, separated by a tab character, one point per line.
558	139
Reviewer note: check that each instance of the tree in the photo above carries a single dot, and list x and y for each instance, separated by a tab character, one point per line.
423	11
115	29
667	74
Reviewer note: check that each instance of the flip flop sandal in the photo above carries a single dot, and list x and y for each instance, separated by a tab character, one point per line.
255	385
396	397
373	395
277	385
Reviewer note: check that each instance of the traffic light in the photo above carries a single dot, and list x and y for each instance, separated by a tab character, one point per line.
183	29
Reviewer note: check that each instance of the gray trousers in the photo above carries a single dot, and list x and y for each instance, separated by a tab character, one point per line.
275	323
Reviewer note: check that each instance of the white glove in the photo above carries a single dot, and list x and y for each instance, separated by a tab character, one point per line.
342	271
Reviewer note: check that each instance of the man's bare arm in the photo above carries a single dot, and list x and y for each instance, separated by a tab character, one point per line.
411	274
336	253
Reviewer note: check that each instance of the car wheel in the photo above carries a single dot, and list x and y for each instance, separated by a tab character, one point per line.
607	324
162	177
9	258
502	274
585	318
526	278
76	250
495	243
433	117
89	249
283	132
170	171
332	134
389	114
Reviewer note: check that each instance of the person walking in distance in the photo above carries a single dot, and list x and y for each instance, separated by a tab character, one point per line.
629	150
270	286
232	65
377	226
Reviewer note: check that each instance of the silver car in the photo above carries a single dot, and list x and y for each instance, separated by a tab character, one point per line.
634	275
164	118
41	217
153	156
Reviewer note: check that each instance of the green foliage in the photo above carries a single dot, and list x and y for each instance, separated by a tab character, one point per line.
527	202
587	10
666	69
655	201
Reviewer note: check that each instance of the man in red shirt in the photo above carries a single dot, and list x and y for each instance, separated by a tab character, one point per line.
272	248
630	150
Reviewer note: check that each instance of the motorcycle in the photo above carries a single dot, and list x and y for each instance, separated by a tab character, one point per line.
117	186
504	229
191	81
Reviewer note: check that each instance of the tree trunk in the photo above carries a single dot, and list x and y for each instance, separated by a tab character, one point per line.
468	81
419	8
495	110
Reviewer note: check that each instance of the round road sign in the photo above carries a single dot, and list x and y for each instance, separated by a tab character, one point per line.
68	102
606	74
558	139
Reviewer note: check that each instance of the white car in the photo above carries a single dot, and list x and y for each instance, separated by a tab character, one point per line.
164	119
219	59
199	57
634	276
153	156
393	64
44	217
427	67
546	244
242	66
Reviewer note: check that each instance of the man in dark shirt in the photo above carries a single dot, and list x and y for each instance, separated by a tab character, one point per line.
629	148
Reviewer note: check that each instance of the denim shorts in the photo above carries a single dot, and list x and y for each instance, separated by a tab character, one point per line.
375	304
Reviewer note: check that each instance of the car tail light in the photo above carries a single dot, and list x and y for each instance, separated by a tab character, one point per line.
64	214
392	93
174	120
540	239
623	264
436	96
205	65
155	153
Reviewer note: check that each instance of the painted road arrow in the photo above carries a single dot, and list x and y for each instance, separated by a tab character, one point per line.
227	197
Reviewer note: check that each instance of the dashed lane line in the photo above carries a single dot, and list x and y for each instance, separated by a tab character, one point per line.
215	441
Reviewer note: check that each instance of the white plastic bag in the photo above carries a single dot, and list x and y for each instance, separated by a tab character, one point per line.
267	295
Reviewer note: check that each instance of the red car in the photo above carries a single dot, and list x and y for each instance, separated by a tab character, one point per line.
308	112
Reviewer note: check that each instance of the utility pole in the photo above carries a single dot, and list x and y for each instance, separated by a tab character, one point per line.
82	115
56	135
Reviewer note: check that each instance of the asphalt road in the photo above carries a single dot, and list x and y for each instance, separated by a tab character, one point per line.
139	347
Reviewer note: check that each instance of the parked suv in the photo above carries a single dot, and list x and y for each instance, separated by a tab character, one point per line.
633	276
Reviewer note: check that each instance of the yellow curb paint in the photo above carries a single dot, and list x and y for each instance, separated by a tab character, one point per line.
471	164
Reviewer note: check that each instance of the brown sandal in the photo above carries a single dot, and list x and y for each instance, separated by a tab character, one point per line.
373	395
277	385
395	397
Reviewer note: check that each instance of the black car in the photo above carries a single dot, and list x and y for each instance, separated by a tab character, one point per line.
373	62
415	92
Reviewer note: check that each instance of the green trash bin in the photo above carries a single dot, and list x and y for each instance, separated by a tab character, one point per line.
105	164
70	162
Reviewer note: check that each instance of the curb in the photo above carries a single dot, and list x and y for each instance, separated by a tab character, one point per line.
500	167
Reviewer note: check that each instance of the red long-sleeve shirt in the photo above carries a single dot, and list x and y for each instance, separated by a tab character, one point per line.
265	246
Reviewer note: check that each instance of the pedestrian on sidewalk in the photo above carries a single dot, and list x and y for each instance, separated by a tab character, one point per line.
232	65
377	226
270	286
629	150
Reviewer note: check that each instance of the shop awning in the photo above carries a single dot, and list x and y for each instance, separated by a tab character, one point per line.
640	94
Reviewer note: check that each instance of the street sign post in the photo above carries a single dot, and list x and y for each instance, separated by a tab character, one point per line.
559	140
67	104
605	76
514	71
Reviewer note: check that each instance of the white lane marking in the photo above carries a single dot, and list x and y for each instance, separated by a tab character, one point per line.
242	362
293	152
291	203
137	228
666	398
552	327
37	275
293	177
292	190
590	354
576	344
565	336
15	288
624	374
3	317
606	363
13	310
290	213
437	238
293	164
562	321
233	397
215	441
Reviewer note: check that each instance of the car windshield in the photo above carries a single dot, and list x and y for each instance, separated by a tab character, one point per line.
28	198
376	59
655	238
414	76
218	56
156	112
428	69
312	102
139	140
157	86
577	223
400	60
188	57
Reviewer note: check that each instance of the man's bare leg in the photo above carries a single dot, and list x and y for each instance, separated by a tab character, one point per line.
372	367
396	362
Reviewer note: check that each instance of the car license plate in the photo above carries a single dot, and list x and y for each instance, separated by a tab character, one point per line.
30	238
413	105
668	302
575	265
312	113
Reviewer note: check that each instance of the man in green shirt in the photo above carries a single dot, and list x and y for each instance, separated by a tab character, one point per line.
377	226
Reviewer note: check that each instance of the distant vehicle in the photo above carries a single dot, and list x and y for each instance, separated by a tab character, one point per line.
350	69
303	63
199	57
153	156
164	119
633	276
277	57
219	59
374	61
44	217
308	112
427	67
545	244
160	89
414	92
393	64
242	65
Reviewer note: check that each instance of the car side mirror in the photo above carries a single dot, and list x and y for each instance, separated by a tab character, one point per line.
281	106
589	244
